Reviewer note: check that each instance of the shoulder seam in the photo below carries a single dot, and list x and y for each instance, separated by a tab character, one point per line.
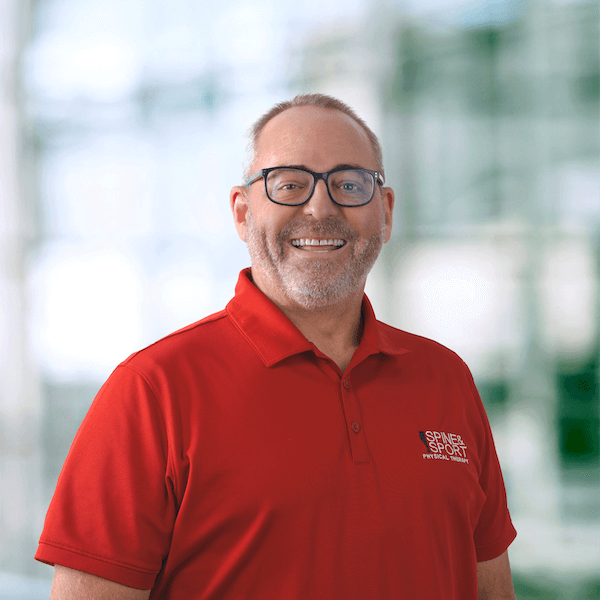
416	336
170	449
214	317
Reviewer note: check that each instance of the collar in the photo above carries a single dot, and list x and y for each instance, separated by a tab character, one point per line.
275	337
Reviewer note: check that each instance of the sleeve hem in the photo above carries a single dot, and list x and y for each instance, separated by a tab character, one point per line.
125	575
491	551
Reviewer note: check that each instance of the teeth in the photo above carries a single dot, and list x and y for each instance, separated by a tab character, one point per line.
311	242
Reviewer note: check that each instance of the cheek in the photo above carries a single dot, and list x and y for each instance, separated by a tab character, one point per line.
263	242
361	245
268	221
370	231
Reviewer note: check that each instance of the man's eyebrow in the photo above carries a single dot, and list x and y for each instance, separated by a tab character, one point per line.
339	166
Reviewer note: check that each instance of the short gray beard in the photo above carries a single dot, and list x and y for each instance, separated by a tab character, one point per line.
314	284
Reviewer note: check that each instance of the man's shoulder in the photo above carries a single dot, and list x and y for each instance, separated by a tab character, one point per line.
194	338
418	345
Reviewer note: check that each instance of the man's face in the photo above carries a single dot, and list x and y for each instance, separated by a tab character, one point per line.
284	267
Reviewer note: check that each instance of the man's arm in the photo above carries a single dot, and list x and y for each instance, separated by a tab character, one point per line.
494	580
69	584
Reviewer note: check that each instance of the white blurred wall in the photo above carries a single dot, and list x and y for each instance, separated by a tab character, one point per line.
21	500
122	133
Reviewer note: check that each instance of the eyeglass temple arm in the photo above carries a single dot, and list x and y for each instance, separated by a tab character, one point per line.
254	177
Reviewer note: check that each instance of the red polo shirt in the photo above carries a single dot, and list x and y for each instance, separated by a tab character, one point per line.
233	460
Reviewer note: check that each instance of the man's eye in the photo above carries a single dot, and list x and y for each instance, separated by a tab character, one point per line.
289	186
350	187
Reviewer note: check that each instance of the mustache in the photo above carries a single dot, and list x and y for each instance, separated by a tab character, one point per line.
330	227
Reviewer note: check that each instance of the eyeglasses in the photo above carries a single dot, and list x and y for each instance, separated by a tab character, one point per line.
293	186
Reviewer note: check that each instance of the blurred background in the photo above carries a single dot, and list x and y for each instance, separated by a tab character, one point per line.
122	131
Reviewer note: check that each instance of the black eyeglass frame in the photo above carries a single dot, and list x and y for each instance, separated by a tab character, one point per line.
378	178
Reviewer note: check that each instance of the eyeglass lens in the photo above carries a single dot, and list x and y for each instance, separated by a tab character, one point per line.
293	186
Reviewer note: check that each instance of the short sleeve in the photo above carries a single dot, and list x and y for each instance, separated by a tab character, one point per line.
114	506
494	531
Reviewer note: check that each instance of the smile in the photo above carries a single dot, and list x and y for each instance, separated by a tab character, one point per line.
301	243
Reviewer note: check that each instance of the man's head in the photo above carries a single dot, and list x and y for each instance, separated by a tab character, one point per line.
319	100
284	266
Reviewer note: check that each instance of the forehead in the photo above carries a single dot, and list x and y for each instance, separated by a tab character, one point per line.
318	138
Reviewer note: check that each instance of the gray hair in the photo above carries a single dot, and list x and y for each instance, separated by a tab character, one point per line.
321	100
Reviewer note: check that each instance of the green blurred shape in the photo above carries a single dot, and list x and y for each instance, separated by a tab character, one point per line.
495	395
483	87
578	413
588	88
540	587
494	392
409	74
578	438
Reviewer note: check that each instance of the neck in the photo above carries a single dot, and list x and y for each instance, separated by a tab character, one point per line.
335	329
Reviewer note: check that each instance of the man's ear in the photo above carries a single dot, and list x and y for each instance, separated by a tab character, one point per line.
388	207
238	200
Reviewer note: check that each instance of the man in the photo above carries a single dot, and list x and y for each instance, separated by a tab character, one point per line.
290	446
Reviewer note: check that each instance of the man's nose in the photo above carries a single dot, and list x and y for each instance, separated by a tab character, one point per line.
320	204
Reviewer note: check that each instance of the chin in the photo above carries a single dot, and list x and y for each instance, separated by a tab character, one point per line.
319	290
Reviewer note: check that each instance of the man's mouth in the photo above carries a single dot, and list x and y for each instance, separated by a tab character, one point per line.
316	244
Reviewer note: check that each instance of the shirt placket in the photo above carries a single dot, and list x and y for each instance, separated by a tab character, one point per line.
354	421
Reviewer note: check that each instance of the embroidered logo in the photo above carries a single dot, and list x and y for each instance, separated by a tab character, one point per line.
424	440
444	446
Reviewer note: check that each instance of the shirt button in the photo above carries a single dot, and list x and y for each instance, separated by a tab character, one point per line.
355	427
346	383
